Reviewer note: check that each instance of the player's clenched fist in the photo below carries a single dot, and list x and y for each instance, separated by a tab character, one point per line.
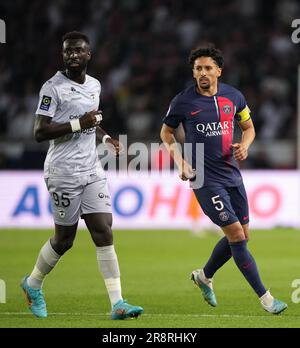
240	151
186	172
115	146
90	119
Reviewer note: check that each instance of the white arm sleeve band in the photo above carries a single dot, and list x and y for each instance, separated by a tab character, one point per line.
75	125
98	118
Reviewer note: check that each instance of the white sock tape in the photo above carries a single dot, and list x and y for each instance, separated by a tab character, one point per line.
75	125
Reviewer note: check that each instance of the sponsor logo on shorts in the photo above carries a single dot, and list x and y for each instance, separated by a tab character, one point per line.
102	195
61	213
45	103
224	216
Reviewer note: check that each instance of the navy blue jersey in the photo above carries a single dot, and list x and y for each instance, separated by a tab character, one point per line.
210	120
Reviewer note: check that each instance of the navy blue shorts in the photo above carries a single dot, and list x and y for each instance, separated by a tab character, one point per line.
224	205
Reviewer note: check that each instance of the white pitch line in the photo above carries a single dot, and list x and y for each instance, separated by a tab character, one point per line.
148	315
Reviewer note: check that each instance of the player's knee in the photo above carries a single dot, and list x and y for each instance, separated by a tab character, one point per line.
102	235
236	234
61	246
107	235
246	234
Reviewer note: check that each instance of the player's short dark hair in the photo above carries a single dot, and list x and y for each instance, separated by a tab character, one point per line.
75	35
209	51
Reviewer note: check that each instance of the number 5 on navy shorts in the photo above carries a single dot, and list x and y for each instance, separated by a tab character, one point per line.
224	205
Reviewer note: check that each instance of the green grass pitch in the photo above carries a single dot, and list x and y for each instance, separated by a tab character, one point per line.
155	269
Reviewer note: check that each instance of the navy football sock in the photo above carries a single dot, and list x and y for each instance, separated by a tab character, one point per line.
246	264
220	255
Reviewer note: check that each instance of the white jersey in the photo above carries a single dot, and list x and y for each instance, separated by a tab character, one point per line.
64	100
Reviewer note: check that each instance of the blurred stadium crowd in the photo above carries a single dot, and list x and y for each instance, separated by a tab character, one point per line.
140	53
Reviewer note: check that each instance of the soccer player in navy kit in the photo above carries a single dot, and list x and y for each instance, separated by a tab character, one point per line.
208	111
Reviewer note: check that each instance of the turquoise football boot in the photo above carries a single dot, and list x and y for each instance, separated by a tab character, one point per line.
122	310
276	307
35	299
205	285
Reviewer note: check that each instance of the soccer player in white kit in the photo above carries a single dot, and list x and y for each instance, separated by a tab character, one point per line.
67	116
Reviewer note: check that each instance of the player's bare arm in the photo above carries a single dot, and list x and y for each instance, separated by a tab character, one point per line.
46	129
186	172
103	137
240	150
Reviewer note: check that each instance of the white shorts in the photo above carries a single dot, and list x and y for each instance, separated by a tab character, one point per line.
72	197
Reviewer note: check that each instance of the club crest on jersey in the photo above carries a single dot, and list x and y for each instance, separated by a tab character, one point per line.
93	96
45	103
226	109
224	216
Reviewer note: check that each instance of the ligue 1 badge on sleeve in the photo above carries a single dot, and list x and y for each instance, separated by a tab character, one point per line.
45	103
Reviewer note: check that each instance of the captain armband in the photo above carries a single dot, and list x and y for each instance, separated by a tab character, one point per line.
244	115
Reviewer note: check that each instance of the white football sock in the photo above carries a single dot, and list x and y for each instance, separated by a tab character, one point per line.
46	261
109	267
267	299
207	281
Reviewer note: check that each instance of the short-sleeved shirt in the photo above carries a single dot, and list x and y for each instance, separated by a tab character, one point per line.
65	100
210	120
